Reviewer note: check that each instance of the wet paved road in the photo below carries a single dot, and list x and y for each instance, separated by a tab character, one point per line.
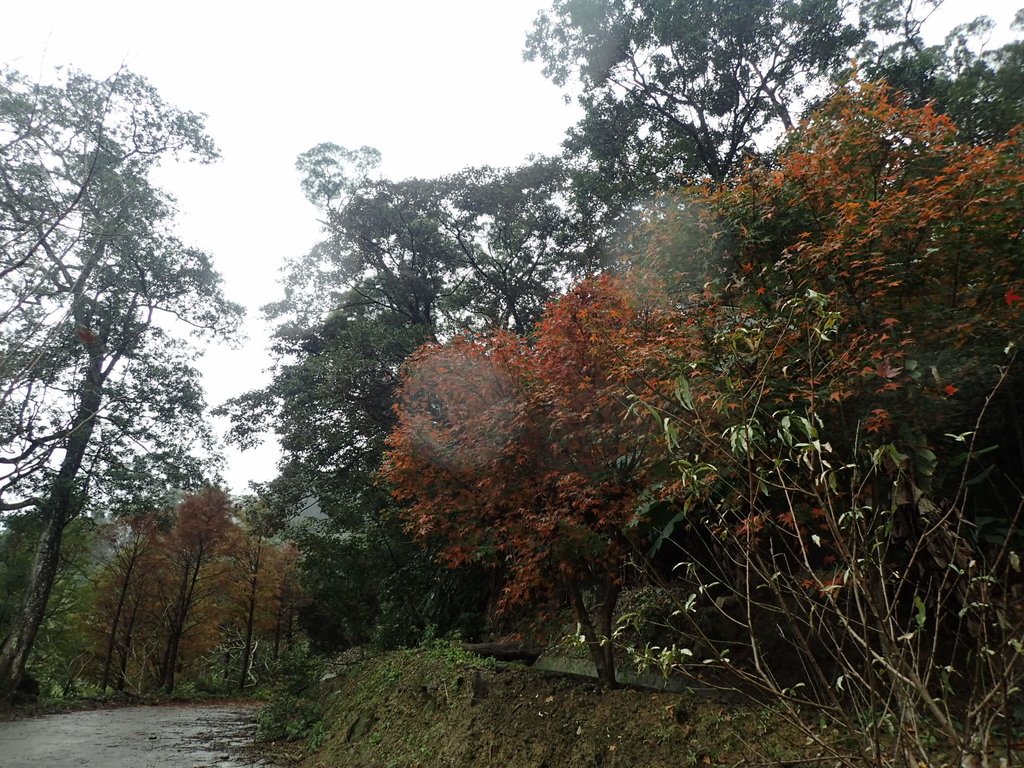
133	737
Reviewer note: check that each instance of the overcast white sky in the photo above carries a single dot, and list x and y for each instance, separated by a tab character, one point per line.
435	85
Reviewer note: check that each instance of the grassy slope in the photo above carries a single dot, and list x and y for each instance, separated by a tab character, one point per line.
439	707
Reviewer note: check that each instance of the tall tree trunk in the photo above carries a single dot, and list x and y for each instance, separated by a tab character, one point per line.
18	643
289	631
114	626
62	504
227	656
170	661
126	645
247	650
283	618
278	621
250	619
178	622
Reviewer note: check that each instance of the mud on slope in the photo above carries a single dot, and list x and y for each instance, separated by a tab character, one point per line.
439	707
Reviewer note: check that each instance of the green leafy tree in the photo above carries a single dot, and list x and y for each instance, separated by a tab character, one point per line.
99	307
983	91
401	263
519	242
687	88
980	88
674	93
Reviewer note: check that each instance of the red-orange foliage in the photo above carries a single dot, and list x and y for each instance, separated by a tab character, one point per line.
261	597
528	456
191	576
863	287
872	272
124	578
176	585
868	278
912	237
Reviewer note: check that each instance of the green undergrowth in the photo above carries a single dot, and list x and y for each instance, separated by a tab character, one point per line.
295	707
438	706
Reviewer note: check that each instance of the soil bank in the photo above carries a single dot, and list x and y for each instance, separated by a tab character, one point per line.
427	709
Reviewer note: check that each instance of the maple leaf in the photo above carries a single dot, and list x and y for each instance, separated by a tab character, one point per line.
878	420
787	519
950	390
1012	297
887	370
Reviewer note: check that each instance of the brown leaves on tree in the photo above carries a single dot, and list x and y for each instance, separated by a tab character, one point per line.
911	237
525	455
176	585
871	272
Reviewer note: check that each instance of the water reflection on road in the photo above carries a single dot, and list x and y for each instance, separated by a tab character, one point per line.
133	737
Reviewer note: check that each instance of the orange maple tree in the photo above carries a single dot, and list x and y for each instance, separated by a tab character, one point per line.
527	455
911	237
871	272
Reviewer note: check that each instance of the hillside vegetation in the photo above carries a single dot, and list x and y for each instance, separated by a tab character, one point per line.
729	391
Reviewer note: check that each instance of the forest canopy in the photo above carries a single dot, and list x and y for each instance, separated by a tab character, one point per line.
731	385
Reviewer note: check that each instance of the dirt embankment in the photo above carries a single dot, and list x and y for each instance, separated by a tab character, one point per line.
438	708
